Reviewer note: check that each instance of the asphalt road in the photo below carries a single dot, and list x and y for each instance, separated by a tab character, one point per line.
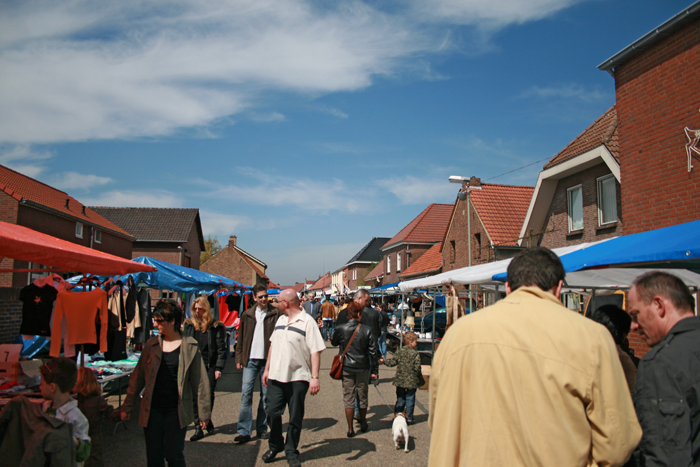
323	438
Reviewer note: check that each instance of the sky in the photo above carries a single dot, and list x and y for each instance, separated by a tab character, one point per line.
305	128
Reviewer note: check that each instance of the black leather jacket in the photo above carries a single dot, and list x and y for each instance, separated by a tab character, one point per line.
213	349
363	354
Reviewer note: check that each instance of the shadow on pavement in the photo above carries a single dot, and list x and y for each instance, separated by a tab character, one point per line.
336	447
316	424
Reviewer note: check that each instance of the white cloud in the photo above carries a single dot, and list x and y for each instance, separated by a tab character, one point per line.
319	196
567	91
331	111
267	117
413	190
75	180
135	199
81	70
18	157
214	223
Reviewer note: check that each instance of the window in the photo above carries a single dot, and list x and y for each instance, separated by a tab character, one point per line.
98	236
575	201
79	230
453	251
388	264
354	274
607	200
477	237
398	262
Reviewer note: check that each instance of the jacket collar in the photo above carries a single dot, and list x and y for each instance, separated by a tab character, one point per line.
685	325
529	292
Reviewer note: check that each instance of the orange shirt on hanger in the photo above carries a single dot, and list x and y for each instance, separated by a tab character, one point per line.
80	310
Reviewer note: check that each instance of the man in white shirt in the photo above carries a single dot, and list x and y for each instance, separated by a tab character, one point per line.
252	347
292	370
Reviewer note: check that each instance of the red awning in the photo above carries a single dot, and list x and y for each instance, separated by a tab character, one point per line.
25	244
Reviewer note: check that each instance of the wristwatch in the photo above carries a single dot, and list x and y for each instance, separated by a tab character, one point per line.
314	377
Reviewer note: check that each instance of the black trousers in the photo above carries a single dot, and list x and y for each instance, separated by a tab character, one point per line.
212	388
280	395
165	440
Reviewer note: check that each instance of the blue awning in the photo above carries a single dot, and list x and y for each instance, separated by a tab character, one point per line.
178	278
676	244
383	287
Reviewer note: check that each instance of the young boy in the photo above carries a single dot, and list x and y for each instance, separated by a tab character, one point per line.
409	376
58	376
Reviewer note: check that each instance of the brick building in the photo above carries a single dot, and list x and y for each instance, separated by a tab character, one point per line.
427	229
577	196
235	263
167	234
30	203
656	83
429	264
497	213
355	270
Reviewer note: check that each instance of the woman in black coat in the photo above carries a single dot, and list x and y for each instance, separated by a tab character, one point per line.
361	359
211	337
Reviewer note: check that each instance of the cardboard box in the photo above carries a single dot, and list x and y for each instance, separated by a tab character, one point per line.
425	369
10	370
9	361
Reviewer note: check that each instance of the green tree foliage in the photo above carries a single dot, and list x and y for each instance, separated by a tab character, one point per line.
211	247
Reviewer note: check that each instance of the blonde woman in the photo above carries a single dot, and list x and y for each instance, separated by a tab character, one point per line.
211	338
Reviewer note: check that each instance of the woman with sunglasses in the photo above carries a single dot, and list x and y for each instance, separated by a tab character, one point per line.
172	375
211	338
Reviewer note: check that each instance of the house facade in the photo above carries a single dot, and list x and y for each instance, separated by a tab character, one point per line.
235	263
658	106
356	269
424	231
168	234
497	213
577	196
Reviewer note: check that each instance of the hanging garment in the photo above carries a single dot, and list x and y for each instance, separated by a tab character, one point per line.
133	320
454	306
37	306
116	338
143	302
80	309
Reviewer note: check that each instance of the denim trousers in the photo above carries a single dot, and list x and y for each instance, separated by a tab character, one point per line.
382	343
165	440
405	401
280	396
328	329
251	373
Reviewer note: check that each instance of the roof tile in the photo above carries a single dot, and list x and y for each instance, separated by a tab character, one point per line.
601	132
502	209
429	261
22	187
428	227
153	224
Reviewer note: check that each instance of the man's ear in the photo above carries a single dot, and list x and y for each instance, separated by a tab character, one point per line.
660	305
508	291
556	291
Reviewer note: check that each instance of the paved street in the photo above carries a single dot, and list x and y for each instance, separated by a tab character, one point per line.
323	439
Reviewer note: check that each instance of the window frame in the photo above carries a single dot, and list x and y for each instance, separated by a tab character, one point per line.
398	261
98	238
599	181
79	230
388	264
570	210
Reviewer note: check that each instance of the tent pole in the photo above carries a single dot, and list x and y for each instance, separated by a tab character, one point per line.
432	335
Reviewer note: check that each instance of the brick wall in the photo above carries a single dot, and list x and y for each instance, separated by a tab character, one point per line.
637	344
8	213
416	252
10	314
192	248
657	97
455	252
228	263
556	226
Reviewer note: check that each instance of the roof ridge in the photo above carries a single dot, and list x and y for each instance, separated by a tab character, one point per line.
38	181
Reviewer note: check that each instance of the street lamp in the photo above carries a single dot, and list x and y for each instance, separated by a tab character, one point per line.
468	184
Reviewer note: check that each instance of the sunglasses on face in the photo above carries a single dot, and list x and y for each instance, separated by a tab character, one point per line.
261	296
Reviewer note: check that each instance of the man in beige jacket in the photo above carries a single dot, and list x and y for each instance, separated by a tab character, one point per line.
527	382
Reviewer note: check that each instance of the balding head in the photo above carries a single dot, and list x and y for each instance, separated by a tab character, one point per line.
289	295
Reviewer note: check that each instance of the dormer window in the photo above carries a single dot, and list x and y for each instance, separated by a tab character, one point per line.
79	230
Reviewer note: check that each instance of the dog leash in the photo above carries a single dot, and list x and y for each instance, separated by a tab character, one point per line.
376	386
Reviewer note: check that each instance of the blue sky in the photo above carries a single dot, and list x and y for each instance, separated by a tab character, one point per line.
303	129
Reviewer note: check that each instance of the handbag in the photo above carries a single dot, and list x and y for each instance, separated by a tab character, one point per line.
337	366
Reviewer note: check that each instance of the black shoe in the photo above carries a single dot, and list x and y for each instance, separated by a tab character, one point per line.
294	462
210	427
351	434
241	439
269	456
198	434
264	435
364	427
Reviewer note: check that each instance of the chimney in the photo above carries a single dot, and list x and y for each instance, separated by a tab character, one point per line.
83	210
232	241
67	202
474	181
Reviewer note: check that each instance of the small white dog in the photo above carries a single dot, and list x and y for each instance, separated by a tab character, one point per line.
399	430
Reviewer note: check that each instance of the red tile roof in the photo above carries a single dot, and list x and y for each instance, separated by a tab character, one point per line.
272	285
428	227
32	192
430	261
601	132
377	272
502	209
322	282
247	258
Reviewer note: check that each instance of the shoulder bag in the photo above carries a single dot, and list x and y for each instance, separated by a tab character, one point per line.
337	366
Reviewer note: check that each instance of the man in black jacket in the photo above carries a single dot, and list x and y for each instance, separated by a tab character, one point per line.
666	395
252	347
370	316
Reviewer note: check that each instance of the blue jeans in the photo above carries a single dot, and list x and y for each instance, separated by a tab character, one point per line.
405	402
328	329
382	343
252	372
